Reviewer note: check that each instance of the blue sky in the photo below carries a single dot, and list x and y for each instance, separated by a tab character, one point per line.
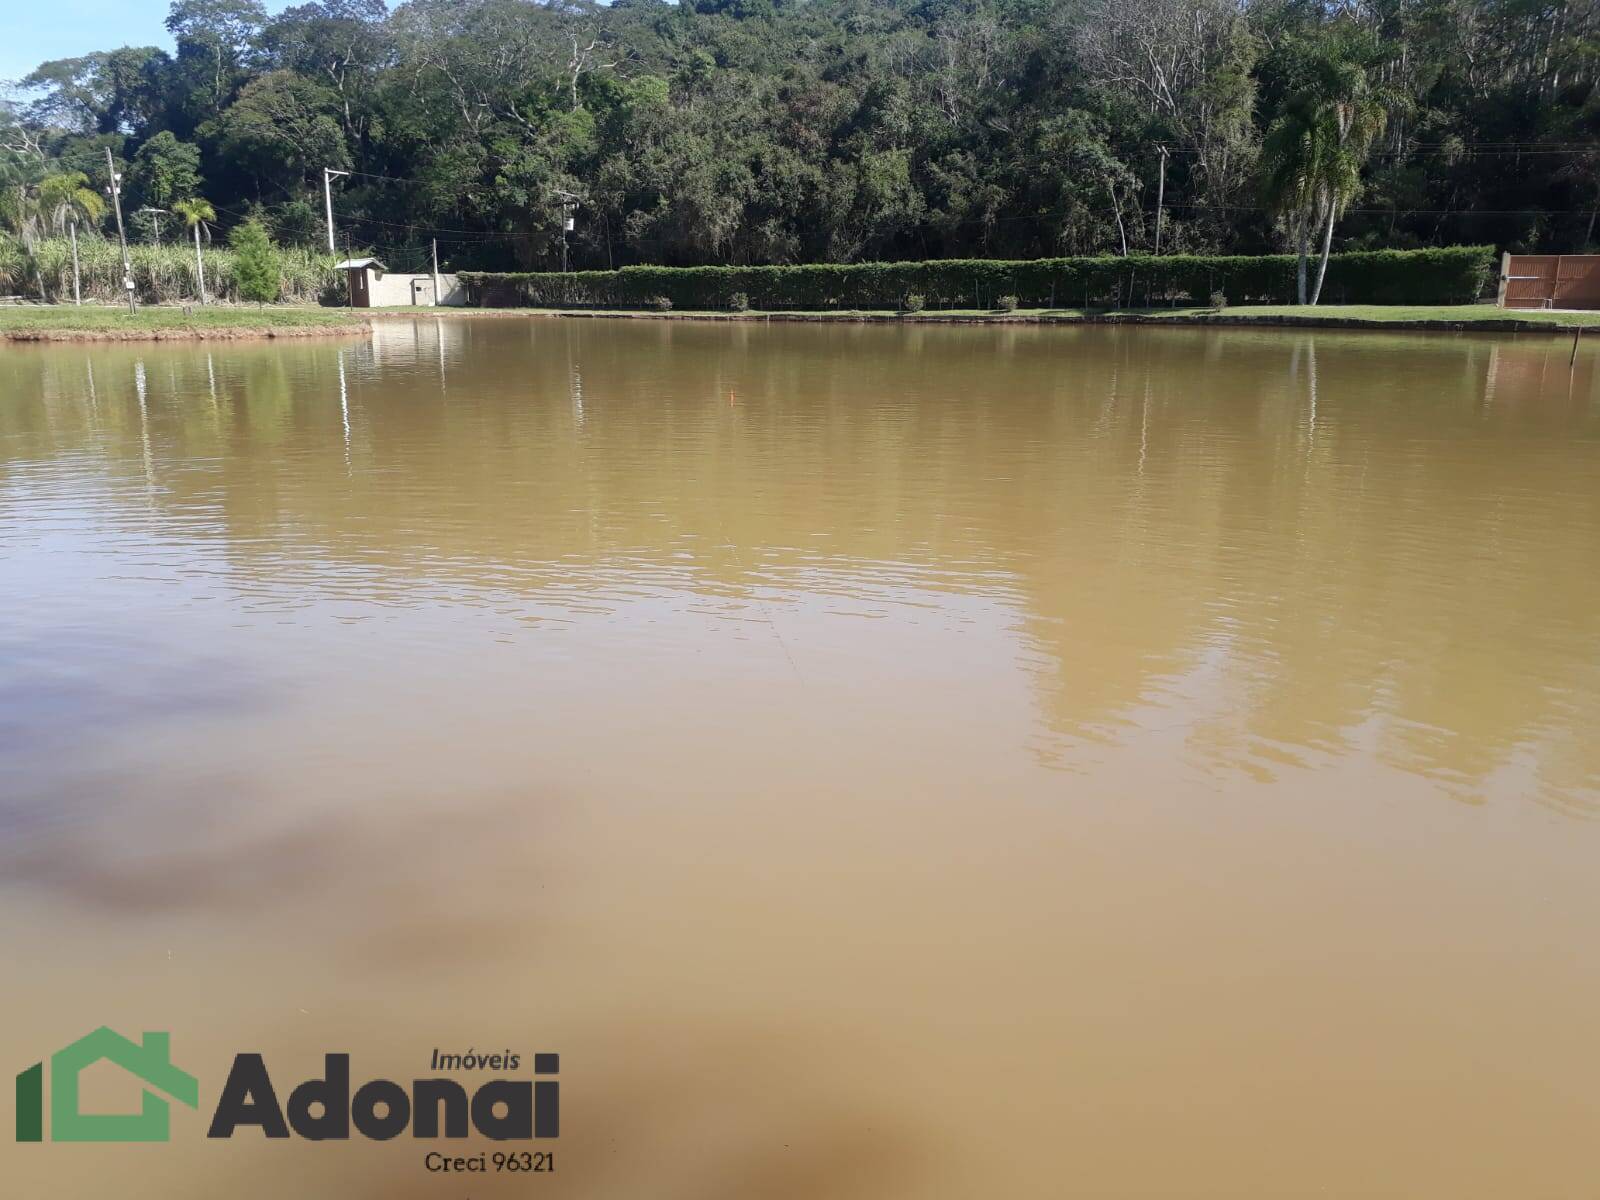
35	31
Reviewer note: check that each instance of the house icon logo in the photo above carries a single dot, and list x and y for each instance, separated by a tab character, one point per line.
149	1060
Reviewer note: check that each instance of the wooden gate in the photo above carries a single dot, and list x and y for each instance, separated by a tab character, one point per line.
1550	281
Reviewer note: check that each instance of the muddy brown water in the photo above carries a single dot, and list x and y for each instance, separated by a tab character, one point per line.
881	762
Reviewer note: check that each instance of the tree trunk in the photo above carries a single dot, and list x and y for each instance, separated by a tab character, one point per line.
77	289
1327	246
1301	253
199	264
1122	232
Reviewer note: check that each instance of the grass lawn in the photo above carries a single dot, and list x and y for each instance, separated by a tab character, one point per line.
70	323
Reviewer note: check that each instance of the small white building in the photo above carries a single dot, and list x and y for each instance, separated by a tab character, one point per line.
372	285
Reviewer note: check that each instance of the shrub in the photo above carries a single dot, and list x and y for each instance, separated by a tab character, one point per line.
255	263
1453	275
739	302
1219	299
659	303
916	302
1006	304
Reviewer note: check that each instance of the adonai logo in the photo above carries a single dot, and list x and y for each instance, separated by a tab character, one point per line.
149	1060
327	1107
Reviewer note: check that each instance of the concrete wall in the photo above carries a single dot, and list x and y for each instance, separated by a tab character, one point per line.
396	290
454	292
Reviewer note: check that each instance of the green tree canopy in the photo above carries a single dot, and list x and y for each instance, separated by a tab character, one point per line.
164	170
66	198
751	131
283	127
195	212
1315	149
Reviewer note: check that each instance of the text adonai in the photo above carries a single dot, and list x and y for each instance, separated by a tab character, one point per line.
326	1108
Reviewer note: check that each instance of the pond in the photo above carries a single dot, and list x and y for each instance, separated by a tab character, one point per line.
880	760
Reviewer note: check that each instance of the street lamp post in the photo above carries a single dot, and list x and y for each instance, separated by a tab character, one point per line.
569	201
155	215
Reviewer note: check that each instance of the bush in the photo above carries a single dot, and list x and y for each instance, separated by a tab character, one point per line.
1219	300
1006	304
255	263
659	303
1454	275
739	302
916	302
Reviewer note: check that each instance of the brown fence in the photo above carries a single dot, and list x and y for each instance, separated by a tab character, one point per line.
1550	281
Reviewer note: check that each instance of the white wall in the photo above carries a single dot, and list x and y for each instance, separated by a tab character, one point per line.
453	293
395	290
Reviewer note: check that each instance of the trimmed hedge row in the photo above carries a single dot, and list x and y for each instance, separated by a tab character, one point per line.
1454	275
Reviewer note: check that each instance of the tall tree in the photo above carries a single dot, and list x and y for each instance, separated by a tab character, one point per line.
284	127
196	213
255	263
27	218
342	43
164	170
66	201
1313	155
118	91
214	39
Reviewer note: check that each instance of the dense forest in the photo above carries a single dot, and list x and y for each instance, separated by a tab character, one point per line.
785	131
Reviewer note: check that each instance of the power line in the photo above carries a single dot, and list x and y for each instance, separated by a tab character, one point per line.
1478	147
415	228
1402	210
390	178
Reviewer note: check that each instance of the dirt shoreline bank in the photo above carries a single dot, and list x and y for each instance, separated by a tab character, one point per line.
1223	319
1219	320
46	336
182	330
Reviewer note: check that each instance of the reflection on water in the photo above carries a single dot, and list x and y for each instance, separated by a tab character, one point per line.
1186	734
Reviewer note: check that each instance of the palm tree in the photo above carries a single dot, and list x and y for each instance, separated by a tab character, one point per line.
64	200
195	213
26	217
13	262
17	215
1313	153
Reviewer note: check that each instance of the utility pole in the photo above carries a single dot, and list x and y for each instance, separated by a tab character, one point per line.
436	297
122	234
1161	196
328	174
